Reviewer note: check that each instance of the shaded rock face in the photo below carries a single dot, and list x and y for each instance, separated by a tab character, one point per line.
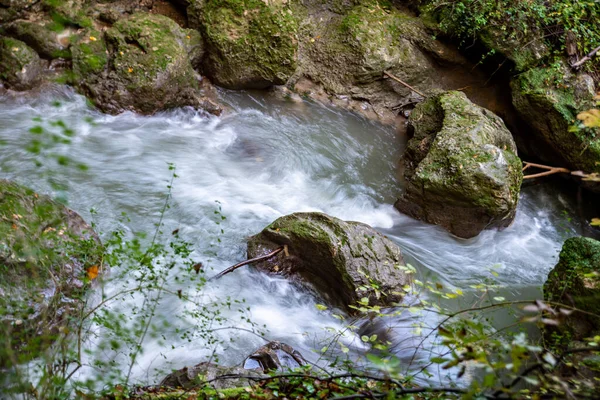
45	251
270	357
575	281
339	259
20	66
461	167
550	108
251	44
274	356
39	37
141	64
344	48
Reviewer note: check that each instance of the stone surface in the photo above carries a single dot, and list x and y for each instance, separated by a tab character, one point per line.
39	37
20	65
193	377
45	251
250	44
141	64
549	102
274	356
575	281
461	167
338	259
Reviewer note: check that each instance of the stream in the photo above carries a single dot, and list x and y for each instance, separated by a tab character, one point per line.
263	159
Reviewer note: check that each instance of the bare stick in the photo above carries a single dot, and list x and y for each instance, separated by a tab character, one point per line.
549	170
586	58
403	83
250	261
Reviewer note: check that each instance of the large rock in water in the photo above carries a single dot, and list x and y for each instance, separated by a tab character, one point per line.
549	102
20	66
46	251
141	64
251	44
461	167
342	260
575	281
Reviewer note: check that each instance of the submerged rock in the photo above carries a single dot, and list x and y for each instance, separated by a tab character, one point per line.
250	45
270	357
46	250
575	281
461	167
141	64
20	65
549	102
344	261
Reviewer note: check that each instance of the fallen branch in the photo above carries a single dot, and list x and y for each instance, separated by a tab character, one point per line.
403	83
549	170
586	58
250	261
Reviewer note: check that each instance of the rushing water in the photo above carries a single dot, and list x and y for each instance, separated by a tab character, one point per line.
265	158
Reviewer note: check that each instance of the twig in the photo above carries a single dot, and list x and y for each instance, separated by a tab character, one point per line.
403	83
250	261
586	58
549	170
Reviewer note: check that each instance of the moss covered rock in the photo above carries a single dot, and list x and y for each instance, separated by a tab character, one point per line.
575	281
461	167
39	37
46	251
20	65
343	261
251	44
549	101
141	64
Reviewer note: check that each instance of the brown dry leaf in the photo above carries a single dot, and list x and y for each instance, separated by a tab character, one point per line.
590	118
92	272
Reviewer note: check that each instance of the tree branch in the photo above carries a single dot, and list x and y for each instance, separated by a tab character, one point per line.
586	58
250	261
402	83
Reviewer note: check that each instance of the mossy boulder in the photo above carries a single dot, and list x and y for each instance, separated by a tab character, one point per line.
345	262
575	281
549	101
461	167
20	65
526	52
39	37
141	64
46	253
250	44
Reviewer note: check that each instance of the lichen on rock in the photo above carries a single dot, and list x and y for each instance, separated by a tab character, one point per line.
250	44
141	64
461	167
344	261
549	101
20	65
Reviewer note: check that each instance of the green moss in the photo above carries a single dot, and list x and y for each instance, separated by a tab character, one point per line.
89	54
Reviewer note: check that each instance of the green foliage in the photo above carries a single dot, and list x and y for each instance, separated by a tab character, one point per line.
521	22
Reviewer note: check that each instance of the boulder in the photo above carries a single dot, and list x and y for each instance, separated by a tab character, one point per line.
45	41
549	102
345	262
20	65
345	47
48	257
250	44
575	281
141	64
461	167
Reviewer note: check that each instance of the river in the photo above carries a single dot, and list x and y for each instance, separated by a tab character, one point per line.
266	157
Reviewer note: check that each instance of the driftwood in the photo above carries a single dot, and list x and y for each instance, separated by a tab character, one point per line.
250	261
402	83
586	58
549	170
